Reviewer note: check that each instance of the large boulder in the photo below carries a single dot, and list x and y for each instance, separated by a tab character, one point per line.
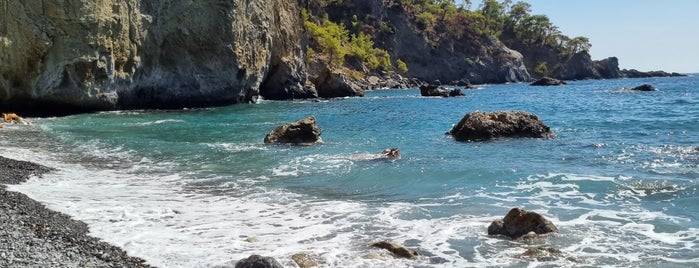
548	81
519	222
257	261
304	131
483	126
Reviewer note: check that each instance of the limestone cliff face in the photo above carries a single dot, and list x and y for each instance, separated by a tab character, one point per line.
70	56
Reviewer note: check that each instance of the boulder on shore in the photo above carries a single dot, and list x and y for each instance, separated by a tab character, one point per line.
257	261
644	87
439	91
483	126
519	222
396	249
304	131
548	81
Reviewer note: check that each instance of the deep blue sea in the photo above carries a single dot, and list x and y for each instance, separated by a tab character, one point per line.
199	188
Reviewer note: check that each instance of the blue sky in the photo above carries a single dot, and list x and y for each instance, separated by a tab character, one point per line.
644	34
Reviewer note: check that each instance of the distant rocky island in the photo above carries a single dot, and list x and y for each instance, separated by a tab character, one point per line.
63	57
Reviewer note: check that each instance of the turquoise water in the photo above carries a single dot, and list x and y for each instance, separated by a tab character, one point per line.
197	188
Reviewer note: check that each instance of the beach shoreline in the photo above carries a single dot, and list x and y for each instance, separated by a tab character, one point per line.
33	236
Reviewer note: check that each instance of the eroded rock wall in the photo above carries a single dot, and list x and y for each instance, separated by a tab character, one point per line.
71	56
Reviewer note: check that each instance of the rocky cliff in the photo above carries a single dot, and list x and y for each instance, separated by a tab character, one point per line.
71	56
431	52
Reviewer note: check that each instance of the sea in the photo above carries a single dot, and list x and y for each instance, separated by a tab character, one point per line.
200	188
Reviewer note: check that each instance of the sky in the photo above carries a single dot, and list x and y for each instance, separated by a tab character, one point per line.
646	35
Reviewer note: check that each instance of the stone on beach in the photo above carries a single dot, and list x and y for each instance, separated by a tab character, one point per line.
519	222
483	126
304	131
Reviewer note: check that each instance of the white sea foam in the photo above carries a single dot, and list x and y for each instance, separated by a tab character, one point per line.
237	147
159	122
159	216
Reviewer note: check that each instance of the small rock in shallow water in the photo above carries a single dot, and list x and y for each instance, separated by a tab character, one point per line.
519	222
304	260
396	249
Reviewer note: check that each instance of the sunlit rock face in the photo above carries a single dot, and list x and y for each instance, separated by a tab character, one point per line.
74	56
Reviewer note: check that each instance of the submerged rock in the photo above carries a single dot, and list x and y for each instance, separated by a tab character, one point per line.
257	261
518	223
396	249
482	126
304	131
543	254
304	260
548	81
644	87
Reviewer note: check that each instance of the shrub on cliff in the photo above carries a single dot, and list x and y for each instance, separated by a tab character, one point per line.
335	42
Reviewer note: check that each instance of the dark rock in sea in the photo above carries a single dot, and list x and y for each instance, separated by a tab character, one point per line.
519	222
548	81
257	261
581	66
304	131
483	126
644	87
396	249
465	83
304	260
543	254
439	91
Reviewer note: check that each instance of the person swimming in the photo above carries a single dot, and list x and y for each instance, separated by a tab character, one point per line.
392	153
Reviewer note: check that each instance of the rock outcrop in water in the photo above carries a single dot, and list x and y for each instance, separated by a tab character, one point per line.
439	91
482	126
548	81
304	131
398	250
644	87
71	56
519	222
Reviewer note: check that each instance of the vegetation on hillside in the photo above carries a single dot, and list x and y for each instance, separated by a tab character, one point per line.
351	32
334	42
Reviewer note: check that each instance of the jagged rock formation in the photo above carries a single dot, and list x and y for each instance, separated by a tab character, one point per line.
581	66
63	57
